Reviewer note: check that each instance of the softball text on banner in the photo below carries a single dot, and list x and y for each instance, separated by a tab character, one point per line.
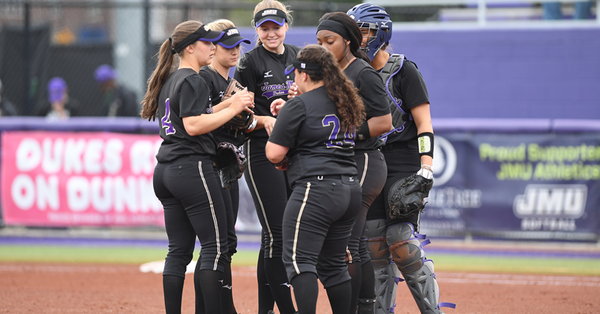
79	179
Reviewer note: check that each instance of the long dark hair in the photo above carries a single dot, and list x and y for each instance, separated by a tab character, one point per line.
341	90
353	32
166	65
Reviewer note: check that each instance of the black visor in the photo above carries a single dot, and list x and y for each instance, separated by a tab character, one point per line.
231	38
201	34
274	15
301	65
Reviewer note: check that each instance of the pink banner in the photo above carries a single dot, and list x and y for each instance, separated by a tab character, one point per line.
79	179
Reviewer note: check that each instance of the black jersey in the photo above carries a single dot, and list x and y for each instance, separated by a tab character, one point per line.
184	94
409	86
309	125
217	85
372	91
263	72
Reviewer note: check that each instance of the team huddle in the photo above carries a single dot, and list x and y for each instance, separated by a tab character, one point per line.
335	143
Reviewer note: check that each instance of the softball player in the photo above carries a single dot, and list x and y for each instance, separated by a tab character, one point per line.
408	149
216	75
339	33
185	180
261	70
313	138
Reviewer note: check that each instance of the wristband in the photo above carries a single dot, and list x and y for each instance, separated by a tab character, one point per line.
252	125
427	167
282	161
425	173
425	142
363	132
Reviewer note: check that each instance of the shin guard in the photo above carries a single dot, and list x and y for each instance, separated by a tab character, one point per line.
386	274
407	252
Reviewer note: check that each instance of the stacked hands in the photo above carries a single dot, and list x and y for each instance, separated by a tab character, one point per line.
278	103
242	101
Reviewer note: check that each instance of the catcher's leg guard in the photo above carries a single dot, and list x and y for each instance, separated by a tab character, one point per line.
387	275
407	253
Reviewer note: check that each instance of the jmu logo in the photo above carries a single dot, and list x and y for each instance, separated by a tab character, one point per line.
551	201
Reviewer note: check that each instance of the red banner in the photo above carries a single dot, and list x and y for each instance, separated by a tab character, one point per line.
79	179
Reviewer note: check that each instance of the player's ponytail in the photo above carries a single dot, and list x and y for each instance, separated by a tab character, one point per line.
350	106
168	62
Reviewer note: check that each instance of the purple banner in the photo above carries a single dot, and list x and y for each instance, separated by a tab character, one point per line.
515	185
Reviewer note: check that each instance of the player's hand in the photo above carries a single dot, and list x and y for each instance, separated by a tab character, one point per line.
269	123
242	101
276	106
293	91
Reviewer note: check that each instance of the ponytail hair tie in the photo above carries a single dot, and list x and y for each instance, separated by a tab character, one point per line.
171	43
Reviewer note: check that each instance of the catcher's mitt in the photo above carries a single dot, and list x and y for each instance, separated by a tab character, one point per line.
405	197
242	120
231	163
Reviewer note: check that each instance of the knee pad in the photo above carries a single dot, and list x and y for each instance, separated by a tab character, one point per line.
376	243
387	275
405	247
418	271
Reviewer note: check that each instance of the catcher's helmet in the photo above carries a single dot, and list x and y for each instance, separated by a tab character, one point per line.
374	18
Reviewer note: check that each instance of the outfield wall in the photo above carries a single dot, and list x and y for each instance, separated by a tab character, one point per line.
518	178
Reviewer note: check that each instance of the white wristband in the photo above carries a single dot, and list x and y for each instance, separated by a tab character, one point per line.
253	125
425	173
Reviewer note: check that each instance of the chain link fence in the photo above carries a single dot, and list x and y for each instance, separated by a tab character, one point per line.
40	40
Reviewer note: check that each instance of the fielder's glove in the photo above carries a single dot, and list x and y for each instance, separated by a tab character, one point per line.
241	121
405	197
230	162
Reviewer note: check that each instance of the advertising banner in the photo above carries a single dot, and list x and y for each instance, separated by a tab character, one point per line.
522	185
79	179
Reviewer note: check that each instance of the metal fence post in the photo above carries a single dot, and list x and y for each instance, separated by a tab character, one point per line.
26	61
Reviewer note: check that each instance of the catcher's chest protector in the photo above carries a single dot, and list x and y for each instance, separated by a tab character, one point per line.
399	115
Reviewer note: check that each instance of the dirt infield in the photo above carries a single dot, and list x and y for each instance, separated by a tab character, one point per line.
85	288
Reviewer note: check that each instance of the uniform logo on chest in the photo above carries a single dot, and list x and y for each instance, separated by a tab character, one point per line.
268	73
272	90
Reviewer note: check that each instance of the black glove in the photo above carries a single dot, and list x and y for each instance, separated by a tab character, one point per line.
230	162
405	197
241	121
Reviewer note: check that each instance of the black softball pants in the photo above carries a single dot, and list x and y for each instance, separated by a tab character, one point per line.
317	224
269	190
190	193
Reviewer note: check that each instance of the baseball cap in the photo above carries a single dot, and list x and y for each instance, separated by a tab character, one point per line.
104	73
56	89
274	15
231	38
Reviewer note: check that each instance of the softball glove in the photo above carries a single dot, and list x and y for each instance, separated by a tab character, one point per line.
406	196
230	162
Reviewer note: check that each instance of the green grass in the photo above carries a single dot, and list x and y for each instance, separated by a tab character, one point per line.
121	255
443	262
556	266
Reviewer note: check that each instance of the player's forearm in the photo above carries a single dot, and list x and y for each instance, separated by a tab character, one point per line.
204	123
222	105
380	125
